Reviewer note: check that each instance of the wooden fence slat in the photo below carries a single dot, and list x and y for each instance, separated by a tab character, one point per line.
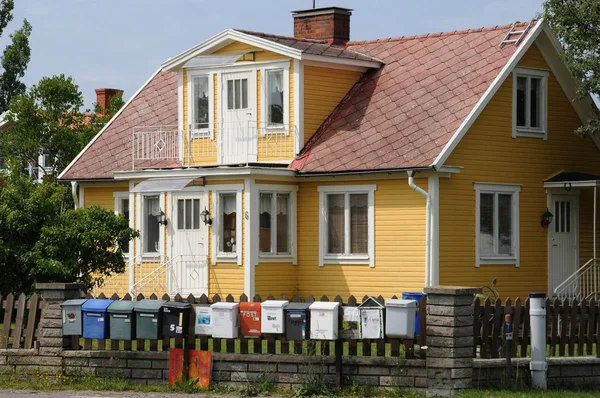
573	326
34	303
508	310
485	331
517	322
526	339
564	327
583	306
591	322
18	331
8	311
555	327
476	325
422	337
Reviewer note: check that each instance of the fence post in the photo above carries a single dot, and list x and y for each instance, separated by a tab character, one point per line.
51	341
449	339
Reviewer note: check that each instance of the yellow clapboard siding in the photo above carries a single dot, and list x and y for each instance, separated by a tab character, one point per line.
399	244
488	153
102	196
324	88
276	279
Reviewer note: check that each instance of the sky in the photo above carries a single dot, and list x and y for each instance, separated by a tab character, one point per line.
121	43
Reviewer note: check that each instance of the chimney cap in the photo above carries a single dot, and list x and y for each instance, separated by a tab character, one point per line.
322	11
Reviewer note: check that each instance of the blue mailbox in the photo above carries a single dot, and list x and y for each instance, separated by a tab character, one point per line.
95	318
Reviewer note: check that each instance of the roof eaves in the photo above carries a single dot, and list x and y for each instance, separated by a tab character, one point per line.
376	64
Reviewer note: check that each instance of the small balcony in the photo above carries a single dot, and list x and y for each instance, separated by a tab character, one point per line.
214	144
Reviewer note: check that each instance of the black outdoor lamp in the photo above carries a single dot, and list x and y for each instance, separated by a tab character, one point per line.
547	218
161	218
206	217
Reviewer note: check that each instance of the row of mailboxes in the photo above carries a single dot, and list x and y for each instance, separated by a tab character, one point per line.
154	319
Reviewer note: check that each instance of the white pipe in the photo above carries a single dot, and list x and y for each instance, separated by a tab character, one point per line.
74	189
537	316
411	183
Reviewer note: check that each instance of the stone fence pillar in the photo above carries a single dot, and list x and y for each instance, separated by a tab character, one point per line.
449	339
51	341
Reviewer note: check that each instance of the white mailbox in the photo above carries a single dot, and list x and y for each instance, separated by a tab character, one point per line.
324	320
225	318
272	319
371	319
400	318
203	322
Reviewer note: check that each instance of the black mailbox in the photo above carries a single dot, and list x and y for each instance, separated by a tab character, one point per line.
176	319
296	321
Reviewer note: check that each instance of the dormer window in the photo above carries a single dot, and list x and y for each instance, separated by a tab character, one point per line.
275	94
200	105
530	103
275	99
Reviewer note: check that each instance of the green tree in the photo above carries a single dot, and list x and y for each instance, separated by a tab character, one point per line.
46	119
576	23
15	58
42	239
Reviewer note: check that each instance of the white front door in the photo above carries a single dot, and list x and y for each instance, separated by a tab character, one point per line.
189	244
239	141
563	235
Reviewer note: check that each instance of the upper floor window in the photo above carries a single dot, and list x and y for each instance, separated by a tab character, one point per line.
530	102
200	105
275	97
347	224
497	224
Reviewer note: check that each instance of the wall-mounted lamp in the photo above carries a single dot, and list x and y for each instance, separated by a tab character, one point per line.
161	218
206	217
547	218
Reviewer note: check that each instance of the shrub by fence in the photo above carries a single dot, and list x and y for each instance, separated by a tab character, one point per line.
20	318
571	327
270	344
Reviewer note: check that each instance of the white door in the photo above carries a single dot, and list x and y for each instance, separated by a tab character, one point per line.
238	136
189	244
563	238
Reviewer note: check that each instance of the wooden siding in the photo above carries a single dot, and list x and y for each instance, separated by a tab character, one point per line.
102	196
276	279
399	244
488	153
324	88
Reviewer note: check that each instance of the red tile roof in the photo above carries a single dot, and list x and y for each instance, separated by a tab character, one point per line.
402	115
155	105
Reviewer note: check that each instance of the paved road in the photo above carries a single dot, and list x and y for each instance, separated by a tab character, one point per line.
87	394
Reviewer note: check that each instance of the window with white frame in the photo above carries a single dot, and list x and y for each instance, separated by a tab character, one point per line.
275	223
347	230
497	224
200	104
275	99
122	208
227	225
530	103
150	225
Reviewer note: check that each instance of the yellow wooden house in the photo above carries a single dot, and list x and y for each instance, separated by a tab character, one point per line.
263	164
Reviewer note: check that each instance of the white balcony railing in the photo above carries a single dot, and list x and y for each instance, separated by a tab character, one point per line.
214	144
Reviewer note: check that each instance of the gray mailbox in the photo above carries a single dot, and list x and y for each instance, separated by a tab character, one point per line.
72	321
122	320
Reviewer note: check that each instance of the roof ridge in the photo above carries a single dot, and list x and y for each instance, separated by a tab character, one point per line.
437	34
251	32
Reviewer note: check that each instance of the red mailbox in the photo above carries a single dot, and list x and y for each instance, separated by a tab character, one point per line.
250	319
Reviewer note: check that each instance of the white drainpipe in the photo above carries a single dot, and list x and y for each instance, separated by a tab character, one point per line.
74	187
411	183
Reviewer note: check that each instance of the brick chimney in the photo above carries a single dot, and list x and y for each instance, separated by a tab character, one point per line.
104	95
327	23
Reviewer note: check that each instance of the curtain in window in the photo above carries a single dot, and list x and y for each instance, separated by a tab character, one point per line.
282	223
504	224
359	223
265	222
152	228
335	223
201	109
486	224
535	98
275	97
228	223
521	99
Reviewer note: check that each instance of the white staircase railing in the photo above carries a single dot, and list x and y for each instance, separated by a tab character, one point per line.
181	274
117	283
582	284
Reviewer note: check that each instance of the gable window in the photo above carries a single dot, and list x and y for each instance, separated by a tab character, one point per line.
497	224
150	225
227	224
275	96
122	208
530	102
200	104
347	224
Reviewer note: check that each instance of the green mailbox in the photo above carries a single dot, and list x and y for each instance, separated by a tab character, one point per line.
148	319
122	321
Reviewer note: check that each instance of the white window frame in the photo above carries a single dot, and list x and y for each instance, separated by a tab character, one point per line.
200	133
347	258
507	189
265	128
293	192
118	197
147	255
525	131
217	255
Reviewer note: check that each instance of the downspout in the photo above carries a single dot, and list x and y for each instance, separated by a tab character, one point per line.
74	190
411	183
